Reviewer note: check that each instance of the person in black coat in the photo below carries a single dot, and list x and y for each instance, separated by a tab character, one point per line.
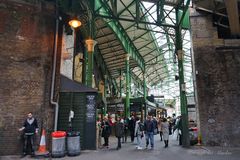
119	131
106	131
30	128
131	126
125	130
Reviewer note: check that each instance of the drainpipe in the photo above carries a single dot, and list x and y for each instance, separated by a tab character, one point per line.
54	69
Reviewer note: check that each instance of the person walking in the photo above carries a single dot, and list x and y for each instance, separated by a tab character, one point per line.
155	122
149	129
179	128
106	131
131	126
160	128
30	129
119	130
125	130
169	119
99	133
165	131
139	128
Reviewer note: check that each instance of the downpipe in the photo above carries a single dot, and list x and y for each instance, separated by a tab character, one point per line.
54	70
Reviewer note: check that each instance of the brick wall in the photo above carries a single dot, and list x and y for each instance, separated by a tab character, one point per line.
217	63
26	50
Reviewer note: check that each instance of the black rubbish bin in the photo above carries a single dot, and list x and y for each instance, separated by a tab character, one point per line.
73	143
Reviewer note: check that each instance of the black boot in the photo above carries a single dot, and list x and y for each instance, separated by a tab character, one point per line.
167	143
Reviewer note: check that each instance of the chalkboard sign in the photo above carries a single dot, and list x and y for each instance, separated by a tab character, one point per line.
91	108
90	125
120	107
111	108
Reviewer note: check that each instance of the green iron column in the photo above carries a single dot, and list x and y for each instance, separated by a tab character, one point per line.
183	99
90	44
130	84
121	76
85	66
105	95
144	87
127	104
145	95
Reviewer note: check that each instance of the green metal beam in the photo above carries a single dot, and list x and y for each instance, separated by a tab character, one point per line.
120	85
184	13
120	33
183	98
126	8
127	103
85	66
105	94
136	78
160	10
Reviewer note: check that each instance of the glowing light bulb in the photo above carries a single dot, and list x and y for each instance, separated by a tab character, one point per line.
75	23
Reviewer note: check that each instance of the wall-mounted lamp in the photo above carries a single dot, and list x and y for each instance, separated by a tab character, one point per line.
74	23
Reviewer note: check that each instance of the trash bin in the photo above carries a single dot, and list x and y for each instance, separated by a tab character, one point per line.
58	144
73	143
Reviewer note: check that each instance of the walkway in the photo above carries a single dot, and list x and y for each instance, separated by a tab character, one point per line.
174	152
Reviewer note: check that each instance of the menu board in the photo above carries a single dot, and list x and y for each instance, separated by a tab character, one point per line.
91	108
114	107
120	107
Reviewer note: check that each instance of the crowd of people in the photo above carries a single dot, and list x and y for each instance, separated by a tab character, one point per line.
137	129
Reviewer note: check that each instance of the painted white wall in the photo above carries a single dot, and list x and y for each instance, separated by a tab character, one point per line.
67	54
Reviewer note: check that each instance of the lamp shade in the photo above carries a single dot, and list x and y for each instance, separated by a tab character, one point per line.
90	45
74	23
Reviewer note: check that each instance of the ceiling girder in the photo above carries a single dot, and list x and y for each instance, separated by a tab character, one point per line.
105	35
109	42
111	54
120	33
115	45
120	65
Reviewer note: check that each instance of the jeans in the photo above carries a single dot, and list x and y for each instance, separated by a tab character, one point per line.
139	140
149	135
28	142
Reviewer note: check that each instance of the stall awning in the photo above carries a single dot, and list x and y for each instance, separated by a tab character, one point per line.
68	85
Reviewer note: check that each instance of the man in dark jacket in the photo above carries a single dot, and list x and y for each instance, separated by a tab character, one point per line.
106	131
131	126
119	130
149	129
30	128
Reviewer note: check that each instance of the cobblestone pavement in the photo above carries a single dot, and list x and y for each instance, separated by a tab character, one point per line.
173	152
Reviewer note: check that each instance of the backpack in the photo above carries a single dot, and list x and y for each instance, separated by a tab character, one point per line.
141	126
